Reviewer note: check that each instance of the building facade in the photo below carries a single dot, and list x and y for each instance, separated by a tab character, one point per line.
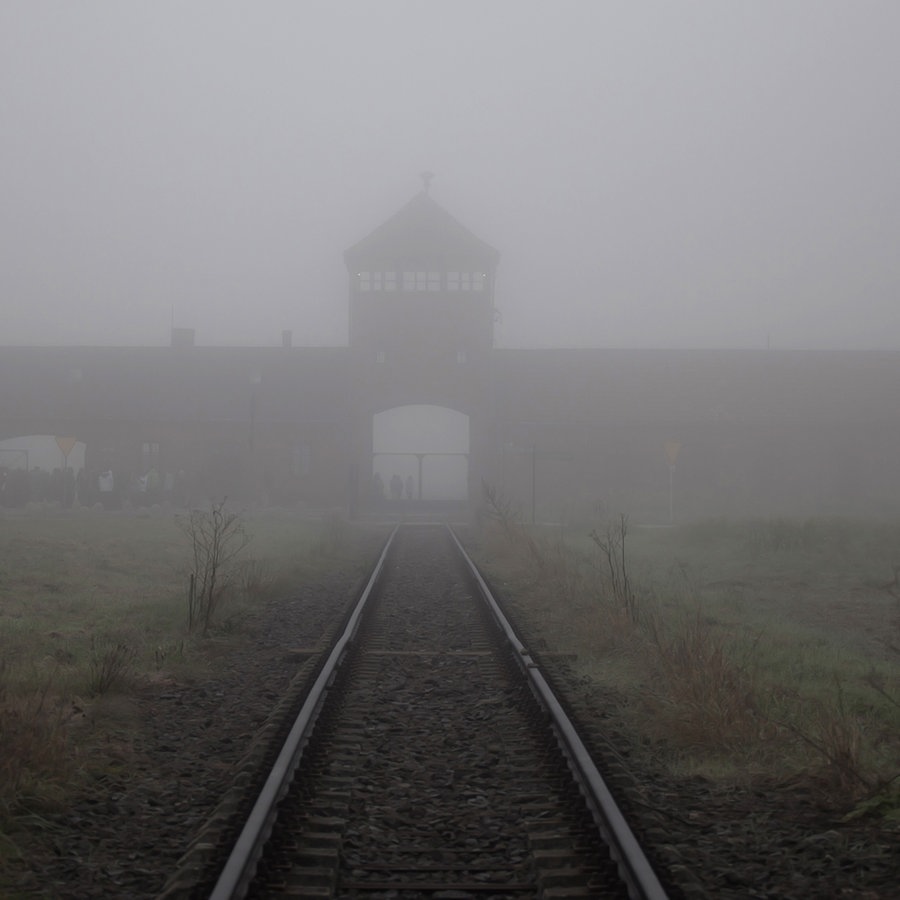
421	395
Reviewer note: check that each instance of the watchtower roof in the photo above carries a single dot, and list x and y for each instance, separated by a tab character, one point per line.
421	230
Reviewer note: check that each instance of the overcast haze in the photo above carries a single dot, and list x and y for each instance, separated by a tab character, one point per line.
682	174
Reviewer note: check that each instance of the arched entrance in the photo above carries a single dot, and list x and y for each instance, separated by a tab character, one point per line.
423	448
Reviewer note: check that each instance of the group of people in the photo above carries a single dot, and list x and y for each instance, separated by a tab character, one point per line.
20	486
398	486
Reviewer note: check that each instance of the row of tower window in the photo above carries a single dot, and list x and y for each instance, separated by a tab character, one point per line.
421	281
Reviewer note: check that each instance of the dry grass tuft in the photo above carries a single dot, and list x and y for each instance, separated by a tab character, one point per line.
34	754
111	664
836	739
705	698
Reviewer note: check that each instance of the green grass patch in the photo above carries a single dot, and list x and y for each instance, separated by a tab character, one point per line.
748	647
92	604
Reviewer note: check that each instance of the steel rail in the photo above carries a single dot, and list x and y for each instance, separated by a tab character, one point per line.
238	871
634	867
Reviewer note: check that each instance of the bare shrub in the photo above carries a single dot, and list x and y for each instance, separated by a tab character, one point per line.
217	538
500	509
615	580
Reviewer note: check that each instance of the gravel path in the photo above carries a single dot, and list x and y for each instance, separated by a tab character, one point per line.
778	841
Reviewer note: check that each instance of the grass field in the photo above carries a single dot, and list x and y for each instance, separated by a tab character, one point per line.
743	648
739	649
93	602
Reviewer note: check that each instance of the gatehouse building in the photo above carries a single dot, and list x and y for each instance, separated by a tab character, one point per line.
420	395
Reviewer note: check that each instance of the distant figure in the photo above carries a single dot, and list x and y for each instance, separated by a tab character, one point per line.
410	487
377	486
396	486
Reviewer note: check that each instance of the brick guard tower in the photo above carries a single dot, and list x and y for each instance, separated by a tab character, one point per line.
421	303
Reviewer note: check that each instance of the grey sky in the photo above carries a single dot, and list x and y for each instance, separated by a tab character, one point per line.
653	174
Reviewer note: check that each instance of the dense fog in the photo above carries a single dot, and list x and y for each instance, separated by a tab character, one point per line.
655	174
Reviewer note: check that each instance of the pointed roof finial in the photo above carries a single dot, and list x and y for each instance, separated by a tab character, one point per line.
426	177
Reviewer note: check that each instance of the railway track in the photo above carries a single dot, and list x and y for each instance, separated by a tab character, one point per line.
431	760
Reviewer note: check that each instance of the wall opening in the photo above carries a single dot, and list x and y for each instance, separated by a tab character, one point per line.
420	452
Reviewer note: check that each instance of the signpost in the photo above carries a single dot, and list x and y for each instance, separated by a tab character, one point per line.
65	445
671	448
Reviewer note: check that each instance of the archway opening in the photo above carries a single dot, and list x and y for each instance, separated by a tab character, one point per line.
420	452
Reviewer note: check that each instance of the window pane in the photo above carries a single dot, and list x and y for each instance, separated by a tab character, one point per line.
421	281
453	281
434	281
390	281
409	281
364	281
478	281
376	281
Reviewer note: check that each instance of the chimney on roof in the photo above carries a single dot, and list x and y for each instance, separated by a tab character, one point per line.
286	339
